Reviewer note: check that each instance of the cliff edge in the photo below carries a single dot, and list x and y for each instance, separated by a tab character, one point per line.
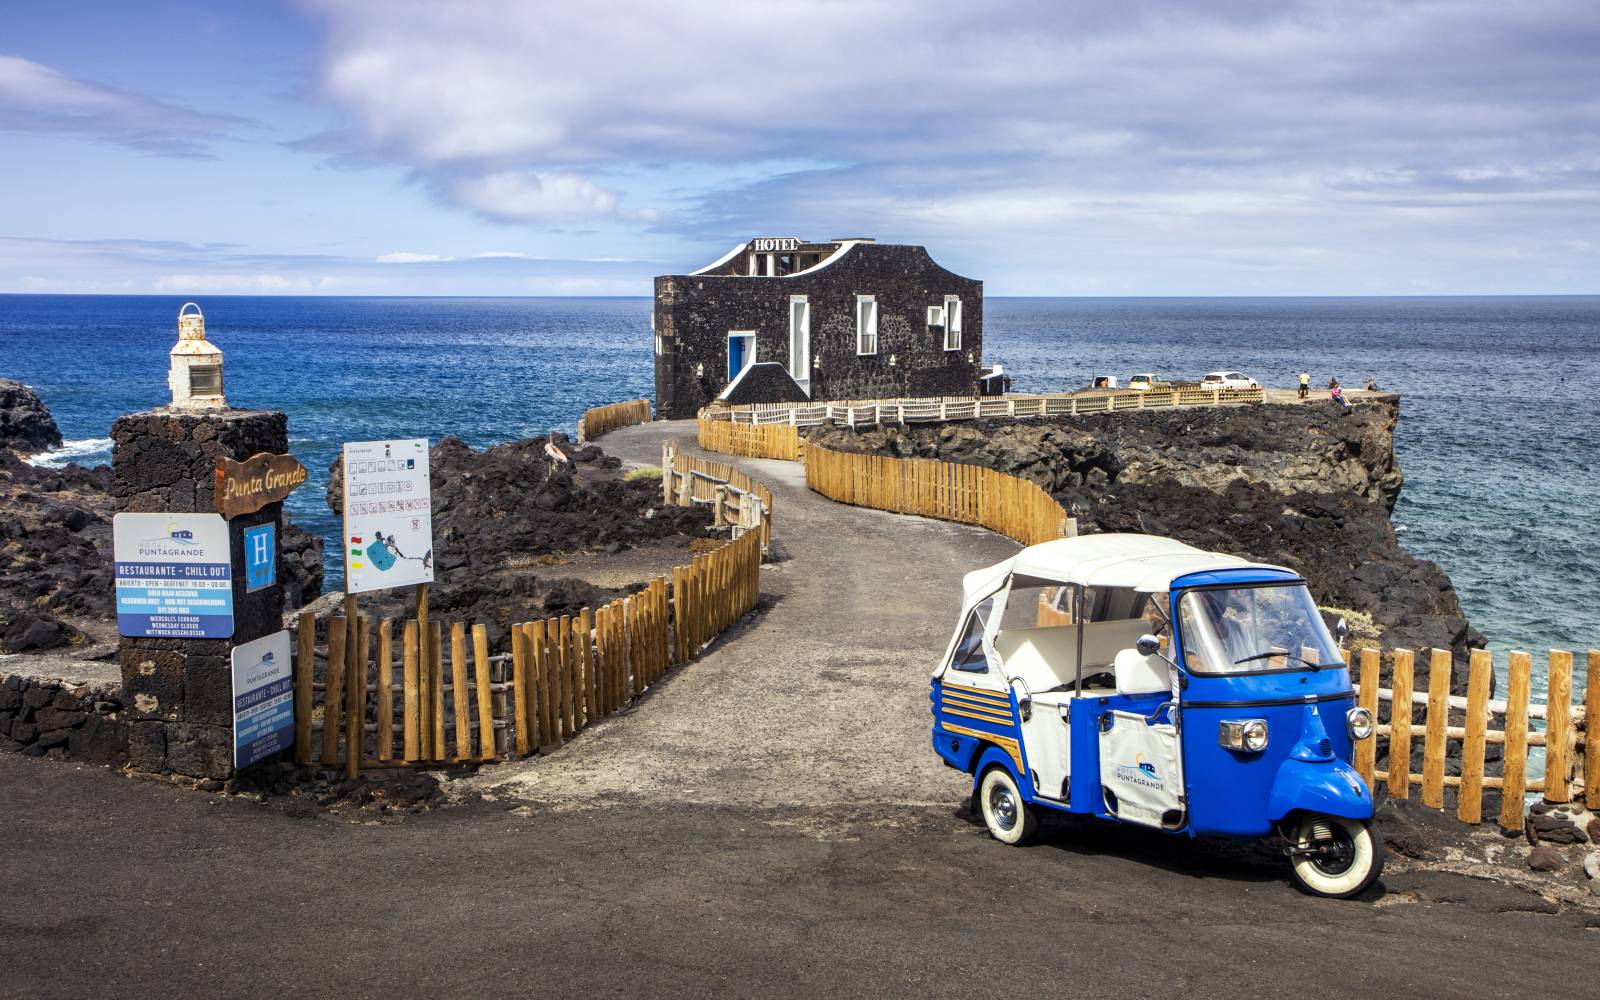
1304	486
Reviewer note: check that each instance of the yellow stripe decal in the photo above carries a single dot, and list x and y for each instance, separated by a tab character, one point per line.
970	695
976	712
1004	720
984	702
1008	745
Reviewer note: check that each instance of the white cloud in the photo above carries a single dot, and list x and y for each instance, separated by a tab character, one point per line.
530	196
244	284
37	98
1009	129
402	257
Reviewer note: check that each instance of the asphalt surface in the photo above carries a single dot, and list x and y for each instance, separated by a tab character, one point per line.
821	853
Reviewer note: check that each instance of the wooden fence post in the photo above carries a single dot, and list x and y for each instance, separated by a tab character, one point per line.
1366	751
355	696
591	682
333	691
436	688
410	707
460	700
1433	739
385	692
1515	779
480	669
1400	727
519	689
1469	797
1591	733
1558	728
304	662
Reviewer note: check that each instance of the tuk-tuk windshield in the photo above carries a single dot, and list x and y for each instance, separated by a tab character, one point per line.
1254	629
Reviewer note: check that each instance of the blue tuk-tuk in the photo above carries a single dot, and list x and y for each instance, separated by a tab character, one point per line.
1141	680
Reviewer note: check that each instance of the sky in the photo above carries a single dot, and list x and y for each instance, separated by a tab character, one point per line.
492	147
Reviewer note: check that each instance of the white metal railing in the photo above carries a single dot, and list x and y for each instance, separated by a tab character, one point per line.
906	411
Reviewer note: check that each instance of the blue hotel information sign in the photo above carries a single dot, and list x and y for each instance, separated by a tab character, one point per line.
260	557
263	699
174	576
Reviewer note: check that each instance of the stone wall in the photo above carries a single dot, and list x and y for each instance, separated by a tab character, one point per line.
694	314
179	692
55	718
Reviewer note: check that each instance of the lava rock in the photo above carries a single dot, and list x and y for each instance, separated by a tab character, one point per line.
26	426
1556	829
1546	858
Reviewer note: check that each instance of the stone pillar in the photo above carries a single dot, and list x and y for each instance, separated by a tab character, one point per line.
178	693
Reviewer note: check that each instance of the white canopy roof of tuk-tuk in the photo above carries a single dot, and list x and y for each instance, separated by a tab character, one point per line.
1146	563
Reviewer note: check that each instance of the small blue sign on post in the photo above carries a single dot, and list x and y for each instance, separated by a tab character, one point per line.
260	557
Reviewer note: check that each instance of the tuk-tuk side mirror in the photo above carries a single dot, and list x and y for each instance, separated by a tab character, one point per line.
1147	645
1341	630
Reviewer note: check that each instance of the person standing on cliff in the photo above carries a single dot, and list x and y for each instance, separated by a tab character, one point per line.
1305	383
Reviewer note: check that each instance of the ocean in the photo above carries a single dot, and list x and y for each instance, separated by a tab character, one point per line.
1497	435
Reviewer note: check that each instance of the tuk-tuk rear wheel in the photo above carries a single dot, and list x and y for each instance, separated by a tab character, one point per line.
1010	820
1334	857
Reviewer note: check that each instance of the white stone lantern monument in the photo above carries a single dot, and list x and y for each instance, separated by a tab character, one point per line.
195	372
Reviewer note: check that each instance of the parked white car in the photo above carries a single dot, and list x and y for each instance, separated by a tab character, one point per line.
1228	380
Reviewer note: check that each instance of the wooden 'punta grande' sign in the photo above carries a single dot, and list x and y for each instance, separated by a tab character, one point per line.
246	487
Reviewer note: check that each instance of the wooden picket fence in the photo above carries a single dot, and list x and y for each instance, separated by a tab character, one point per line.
780	441
734	498
599	420
970	494
860	412
559	675
434	704
1572	754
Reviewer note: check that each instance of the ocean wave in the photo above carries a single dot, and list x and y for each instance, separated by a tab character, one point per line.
74	451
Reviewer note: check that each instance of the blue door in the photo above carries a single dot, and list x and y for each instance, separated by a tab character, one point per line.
735	356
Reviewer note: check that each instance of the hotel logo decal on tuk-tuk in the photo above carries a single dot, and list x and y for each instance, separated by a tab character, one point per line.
1140	772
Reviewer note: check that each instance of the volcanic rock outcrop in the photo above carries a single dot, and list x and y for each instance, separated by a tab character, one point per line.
56	583
26	426
1307	487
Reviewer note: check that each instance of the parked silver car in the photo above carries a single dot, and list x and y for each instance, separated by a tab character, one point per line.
1228	380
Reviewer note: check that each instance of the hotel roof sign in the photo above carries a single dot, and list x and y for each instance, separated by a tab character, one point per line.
774	244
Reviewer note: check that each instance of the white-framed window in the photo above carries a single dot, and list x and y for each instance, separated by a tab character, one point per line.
952	323
936	315
866	324
799	339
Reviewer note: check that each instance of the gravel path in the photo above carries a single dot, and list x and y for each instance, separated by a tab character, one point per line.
819	698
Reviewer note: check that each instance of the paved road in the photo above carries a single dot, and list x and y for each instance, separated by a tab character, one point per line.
767	824
819	699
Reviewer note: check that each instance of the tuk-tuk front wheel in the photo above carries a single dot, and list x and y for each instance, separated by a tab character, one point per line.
1010	820
1333	856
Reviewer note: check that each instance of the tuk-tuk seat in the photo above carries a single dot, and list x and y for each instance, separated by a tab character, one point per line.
1045	659
1142	674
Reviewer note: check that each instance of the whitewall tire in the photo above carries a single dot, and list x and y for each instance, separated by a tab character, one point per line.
1335	857
1010	820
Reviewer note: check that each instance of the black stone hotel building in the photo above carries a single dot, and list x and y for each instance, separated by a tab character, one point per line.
784	320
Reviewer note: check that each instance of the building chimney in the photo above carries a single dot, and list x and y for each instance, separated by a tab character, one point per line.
195	371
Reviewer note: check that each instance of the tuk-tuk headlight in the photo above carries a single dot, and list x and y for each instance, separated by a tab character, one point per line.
1248	735
1359	720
